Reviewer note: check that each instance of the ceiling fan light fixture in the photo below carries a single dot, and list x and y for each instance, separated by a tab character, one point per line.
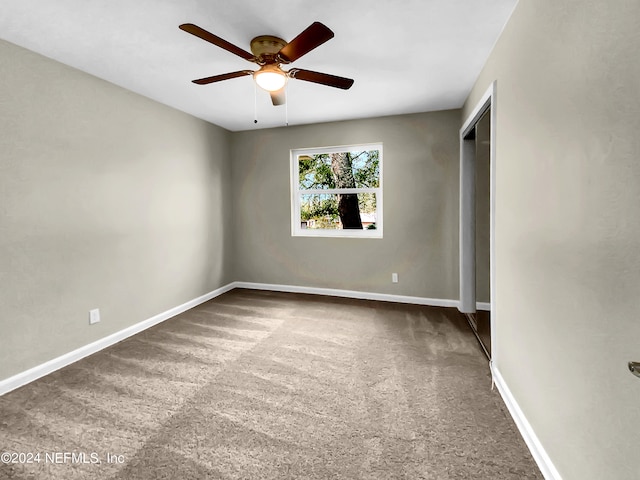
270	77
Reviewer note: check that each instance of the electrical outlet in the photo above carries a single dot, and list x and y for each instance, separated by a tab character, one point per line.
94	316
394	277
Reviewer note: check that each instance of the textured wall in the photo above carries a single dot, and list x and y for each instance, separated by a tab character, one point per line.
107	200
567	229
420	209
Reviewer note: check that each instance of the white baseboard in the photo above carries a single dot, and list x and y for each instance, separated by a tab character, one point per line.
538	452
51	366
332	292
485	306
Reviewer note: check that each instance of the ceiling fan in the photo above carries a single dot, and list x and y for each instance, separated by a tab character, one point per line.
269	53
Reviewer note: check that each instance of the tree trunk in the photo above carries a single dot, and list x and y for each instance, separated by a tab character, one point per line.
348	207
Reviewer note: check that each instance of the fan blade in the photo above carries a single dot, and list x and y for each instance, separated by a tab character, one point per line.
224	76
321	78
217	41
315	35
279	97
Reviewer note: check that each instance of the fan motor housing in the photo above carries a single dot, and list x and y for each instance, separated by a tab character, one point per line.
266	45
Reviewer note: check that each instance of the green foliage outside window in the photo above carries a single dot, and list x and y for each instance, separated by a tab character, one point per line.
316	172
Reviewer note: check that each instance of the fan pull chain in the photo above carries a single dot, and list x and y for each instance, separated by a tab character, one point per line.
255	103
286	105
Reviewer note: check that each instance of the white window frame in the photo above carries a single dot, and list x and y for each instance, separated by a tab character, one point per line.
297	230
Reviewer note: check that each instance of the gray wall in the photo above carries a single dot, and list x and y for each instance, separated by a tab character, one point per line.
107	200
567	229
420	175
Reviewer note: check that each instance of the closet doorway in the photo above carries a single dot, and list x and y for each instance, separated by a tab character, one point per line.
476	220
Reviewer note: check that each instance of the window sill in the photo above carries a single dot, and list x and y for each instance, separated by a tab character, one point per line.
338	234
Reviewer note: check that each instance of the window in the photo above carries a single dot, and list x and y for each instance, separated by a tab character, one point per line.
337	191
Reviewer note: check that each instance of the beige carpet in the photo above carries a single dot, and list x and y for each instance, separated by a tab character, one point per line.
263	385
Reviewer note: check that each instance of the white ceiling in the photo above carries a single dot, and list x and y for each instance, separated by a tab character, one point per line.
406	56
